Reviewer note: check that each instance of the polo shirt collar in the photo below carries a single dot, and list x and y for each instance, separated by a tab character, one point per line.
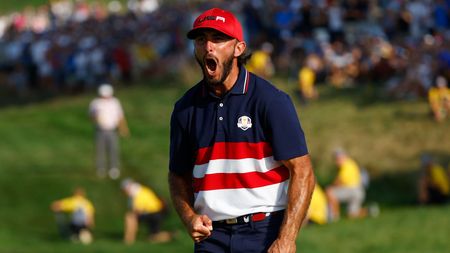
241	85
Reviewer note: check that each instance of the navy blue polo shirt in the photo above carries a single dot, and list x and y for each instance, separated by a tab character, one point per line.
233	146
253	111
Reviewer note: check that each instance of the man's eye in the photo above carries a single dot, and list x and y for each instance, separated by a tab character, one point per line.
200	39
220	38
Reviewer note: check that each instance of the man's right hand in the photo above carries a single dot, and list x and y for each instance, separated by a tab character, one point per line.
200	227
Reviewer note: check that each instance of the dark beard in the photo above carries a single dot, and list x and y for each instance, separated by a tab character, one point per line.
227	65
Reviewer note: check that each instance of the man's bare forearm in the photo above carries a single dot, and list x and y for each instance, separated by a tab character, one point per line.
182	195
301	187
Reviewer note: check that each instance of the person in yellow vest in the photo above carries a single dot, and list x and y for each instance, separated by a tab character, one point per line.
433	184
318	208
81	212
439	99
346	188
261	62
145	207
306	82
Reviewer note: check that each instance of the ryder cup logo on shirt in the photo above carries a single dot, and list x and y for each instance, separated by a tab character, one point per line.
244	122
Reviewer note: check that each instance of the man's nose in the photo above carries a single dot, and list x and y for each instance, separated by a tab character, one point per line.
209	45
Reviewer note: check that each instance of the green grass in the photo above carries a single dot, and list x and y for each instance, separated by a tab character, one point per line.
17	5
396	230
46	149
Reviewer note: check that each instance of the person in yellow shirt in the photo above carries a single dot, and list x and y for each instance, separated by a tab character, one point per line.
318	208
145	207
306	80
439	99
81	212
346	188
261	63
433	184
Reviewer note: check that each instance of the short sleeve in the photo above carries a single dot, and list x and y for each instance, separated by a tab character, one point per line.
67	204
285	132
181	154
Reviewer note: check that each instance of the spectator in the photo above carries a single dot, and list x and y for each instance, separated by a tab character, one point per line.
441	15
346	188
318	209
81	212
261	63
144	207
339	60
433	184
335	21
439	99
306	82
108	116
419	17
17	79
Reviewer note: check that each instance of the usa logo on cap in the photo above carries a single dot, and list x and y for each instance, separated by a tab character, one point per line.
220	20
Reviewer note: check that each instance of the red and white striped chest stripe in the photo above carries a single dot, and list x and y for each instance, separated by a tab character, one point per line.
236	165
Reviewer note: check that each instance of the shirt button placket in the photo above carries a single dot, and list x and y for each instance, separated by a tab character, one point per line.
220	120
220	109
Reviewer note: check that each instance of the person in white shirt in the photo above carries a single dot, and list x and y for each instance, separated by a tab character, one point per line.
109	118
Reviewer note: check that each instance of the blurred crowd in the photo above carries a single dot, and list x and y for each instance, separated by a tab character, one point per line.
73	45
69	46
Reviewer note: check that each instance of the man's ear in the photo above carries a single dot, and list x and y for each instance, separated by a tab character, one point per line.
239	49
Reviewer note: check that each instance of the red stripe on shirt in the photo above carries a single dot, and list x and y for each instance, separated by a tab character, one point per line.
247	81
220	181
233	150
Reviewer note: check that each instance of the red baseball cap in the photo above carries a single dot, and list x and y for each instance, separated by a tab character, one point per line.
220	20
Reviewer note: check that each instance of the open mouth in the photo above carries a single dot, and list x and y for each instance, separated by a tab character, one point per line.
211	65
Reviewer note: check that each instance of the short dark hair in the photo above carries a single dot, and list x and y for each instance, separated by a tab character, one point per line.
244	57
